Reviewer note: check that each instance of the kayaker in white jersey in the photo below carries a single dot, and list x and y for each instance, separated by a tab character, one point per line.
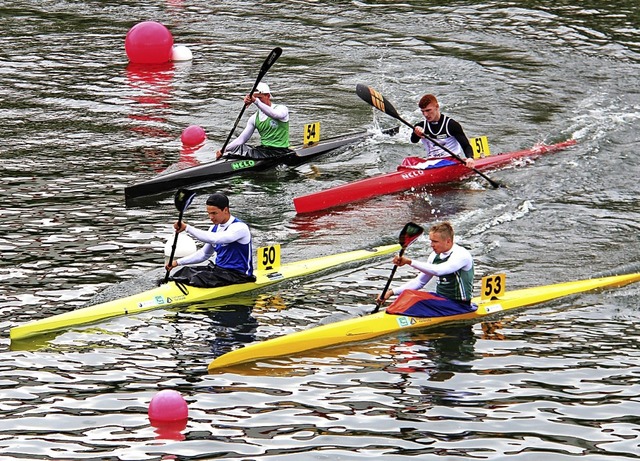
451	264
272	123
443	129
228	239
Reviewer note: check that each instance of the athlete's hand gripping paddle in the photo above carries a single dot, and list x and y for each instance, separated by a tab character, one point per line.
182	200
409	233
266	65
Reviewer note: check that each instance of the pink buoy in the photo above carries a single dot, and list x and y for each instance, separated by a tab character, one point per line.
193	135
167	405
149	42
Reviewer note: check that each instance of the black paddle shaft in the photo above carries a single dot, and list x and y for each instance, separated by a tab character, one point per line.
386	287
377	100
266	65
182	200
409	233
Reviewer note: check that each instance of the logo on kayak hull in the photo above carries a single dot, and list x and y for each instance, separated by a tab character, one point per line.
160	300
242	164
412	174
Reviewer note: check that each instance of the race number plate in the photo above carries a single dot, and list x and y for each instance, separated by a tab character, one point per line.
480	146
493	286
269	257
311	133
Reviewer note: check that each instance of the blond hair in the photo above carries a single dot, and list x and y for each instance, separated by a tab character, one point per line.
445	229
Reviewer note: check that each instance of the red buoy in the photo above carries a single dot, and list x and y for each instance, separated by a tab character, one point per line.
149	42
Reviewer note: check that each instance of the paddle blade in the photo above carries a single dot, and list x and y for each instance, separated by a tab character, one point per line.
183	199
371	96
273	57
409	234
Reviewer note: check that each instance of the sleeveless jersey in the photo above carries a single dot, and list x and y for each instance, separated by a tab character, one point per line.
273	133
237	256
458	286
444	137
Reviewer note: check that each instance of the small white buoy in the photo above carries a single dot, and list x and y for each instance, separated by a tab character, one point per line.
185	246
181	53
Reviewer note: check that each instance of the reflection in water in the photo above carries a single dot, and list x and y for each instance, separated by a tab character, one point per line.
232	324
444	353
152	85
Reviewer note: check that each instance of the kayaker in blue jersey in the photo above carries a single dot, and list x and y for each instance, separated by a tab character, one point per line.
452	265
228	239
443	129
272	123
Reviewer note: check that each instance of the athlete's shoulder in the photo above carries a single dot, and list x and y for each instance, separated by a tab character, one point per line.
461	250
237	222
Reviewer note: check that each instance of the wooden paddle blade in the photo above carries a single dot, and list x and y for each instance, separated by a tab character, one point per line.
409	234
183	199
371	96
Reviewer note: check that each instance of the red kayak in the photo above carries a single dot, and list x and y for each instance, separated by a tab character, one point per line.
411	177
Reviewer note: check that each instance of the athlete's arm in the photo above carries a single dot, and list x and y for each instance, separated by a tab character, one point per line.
277	111
458	260
414	137
455	129
236	232
244	136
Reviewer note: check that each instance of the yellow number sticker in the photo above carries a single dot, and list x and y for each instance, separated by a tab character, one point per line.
480	146
493	286
269	257
311	133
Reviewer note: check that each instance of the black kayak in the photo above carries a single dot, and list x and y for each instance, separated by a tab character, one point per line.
226	167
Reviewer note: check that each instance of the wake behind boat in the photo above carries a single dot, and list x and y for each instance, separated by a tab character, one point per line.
381	323
406	178
172	295
227	166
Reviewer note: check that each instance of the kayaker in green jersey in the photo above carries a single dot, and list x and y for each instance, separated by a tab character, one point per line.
272	123
453	267
443	129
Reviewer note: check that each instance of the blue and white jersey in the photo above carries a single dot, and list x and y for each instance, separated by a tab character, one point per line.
231	243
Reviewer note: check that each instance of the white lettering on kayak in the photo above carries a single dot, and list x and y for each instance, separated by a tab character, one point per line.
493	308
412	174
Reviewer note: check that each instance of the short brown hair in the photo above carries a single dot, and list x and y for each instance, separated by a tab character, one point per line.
426	100
443	228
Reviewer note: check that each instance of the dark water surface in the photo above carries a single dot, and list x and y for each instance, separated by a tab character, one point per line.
559	381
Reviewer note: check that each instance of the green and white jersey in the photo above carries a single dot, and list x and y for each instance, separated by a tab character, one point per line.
454	270
273	132
272	123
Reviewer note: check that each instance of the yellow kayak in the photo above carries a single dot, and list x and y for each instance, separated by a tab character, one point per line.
170	295
381	323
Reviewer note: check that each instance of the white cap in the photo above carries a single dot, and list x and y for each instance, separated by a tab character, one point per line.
263	88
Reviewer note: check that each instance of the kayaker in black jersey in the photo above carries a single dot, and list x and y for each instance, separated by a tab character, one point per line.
272	123
228	239
443	129
453	267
